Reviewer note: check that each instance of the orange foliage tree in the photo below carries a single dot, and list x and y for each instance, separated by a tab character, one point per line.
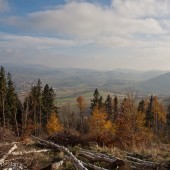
101	129
130	125
53	124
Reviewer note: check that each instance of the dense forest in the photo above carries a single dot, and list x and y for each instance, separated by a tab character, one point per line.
105	121
123	123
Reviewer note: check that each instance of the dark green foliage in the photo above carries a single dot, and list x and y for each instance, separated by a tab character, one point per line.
2	96
168	122
109	106
97	100
115	108
48	99
11	99
150	114
141	106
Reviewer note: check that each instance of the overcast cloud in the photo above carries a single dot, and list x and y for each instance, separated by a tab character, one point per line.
127	33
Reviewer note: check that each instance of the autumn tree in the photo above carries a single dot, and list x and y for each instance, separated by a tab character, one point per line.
53	124
130	129
101	129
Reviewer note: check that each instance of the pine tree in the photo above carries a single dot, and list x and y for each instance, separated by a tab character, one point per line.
150	114
109	106
141	106
12	103
2	95
115	108
81	105
168	122
97	100
48	100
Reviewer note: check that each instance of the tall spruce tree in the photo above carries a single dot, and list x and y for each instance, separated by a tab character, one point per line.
12	103
168	122
150	114
48	101
2	95
141	106
115	108
109	106
97	100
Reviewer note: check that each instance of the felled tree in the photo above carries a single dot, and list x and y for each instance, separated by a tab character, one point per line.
101	129
53	124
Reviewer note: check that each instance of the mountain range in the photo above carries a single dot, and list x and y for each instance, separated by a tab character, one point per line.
154	81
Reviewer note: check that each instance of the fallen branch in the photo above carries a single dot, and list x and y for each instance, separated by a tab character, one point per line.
2	160
75	161
31	151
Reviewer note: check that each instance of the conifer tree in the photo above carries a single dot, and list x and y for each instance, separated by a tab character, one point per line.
12	103
109	106
48	99
97	100
81	105
150	114
168	122
2	95
115	108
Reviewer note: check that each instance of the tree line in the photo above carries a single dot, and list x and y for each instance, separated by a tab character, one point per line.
114	120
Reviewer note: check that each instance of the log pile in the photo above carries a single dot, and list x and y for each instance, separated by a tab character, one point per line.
91	157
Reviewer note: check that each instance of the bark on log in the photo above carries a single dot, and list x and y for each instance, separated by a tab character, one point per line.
97	157
143	163
2	160
75	161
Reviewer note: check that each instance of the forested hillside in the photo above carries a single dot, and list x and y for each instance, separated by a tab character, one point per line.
109	122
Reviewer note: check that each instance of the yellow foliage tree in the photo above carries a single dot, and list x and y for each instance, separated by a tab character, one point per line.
53	124
101	129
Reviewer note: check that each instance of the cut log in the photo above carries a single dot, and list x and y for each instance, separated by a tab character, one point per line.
75	161
98	157
2	160
93	166
142	163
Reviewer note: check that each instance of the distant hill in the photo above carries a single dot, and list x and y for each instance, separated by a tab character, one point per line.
77	78
159	84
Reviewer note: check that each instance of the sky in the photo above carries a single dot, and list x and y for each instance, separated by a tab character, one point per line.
95	34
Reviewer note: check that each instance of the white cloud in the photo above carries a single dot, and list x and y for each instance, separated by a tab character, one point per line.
85	20
135	31
4	6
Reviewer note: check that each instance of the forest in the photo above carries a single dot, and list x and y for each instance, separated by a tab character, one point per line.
111	125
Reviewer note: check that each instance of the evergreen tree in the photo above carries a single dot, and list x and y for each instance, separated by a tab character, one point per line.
48	99
168	122
150	114
109	106
97	100
115	108
12	103
141	106
2	96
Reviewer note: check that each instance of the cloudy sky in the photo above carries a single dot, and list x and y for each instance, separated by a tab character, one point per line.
97	34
